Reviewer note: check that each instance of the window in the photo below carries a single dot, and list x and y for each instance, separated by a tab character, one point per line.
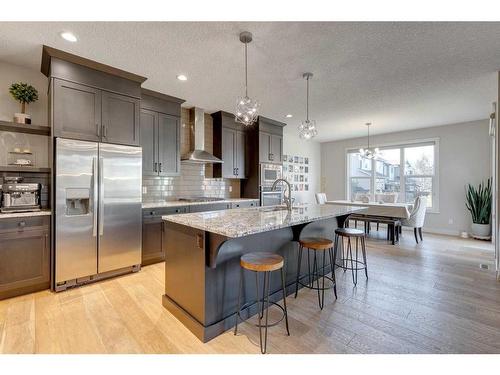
400	173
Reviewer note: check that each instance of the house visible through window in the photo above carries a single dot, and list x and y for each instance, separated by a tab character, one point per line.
399	174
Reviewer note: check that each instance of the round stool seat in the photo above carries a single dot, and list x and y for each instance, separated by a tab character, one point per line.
316	243
349	232
262	262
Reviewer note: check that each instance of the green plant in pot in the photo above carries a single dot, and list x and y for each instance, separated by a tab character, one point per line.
24	94
478	202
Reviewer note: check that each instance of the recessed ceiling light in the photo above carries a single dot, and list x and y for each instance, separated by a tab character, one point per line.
70	37
182	77
288	115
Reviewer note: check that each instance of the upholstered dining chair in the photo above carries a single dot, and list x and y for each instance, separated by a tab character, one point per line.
321	198
417	217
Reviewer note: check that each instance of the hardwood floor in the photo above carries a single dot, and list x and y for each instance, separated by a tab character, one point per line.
426	298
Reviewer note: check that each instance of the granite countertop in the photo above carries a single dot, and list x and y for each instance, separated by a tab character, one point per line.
241	222
185	203
11	215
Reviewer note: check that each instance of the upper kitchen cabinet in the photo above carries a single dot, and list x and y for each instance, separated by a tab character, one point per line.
160	134
229	139
92	101
76	110
270	141
120	119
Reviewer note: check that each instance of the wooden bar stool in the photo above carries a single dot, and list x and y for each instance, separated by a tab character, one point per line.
266	263
347	257
316	245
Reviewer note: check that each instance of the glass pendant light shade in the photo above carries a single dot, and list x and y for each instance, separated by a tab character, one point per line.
307	128
369	153
247	109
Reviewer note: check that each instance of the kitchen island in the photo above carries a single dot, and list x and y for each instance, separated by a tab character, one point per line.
203	250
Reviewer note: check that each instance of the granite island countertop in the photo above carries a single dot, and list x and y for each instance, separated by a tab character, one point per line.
245	221
187	203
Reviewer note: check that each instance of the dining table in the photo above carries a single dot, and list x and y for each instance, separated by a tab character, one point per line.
393	212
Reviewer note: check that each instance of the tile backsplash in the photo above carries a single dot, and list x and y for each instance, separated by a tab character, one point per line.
195	179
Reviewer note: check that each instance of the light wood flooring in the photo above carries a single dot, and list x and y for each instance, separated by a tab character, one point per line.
427	298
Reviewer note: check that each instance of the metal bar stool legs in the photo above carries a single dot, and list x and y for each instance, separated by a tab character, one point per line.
318	273
263	263
347	260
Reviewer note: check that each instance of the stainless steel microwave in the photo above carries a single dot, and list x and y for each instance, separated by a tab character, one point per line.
270	173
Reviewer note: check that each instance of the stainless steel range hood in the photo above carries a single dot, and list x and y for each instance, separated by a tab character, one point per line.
197	153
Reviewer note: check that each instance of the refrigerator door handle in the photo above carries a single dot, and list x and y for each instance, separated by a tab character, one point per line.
94	195
101	192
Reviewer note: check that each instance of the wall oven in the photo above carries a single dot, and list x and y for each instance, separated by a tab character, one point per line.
271	198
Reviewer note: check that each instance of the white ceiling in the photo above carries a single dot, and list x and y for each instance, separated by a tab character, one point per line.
397	75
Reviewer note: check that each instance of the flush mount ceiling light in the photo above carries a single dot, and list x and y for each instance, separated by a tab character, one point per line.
247	109
289	116
307	129
70	37
368	152
182	77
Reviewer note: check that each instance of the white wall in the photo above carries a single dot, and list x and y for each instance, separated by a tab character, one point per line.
293	145
464	157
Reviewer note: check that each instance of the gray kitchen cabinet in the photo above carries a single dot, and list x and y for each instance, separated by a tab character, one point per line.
169	158
76	111
160	128
228	153
229	139
270	148
244	204
86	113
120	119
24	255
149	142
153	234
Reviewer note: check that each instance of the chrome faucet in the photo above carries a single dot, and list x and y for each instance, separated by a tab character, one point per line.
288	200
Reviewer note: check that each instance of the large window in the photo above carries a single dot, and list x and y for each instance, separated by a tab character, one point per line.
400	173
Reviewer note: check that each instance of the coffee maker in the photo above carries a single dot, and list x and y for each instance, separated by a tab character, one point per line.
20	197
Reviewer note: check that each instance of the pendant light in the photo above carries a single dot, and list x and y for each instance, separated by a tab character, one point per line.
307	128
368	153
246	108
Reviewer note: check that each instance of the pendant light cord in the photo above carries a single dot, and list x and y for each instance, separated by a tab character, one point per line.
307	101
246	71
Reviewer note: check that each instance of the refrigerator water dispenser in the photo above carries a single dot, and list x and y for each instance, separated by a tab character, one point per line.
77	201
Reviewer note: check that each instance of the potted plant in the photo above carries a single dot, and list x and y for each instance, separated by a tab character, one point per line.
24	94
478	202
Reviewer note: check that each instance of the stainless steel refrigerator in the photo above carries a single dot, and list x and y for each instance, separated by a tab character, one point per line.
97	211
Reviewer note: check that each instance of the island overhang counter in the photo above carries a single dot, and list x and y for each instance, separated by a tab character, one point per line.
202	258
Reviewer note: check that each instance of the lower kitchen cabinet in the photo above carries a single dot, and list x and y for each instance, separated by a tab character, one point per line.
24	255
152	233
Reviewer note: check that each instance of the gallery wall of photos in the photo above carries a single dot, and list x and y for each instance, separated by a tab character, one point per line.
296	171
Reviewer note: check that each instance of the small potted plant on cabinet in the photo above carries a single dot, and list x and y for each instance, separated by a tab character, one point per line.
478	202
24	94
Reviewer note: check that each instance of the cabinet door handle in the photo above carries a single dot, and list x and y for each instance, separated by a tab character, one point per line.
160	167
155	167
97	128
237	171
105	131
271	156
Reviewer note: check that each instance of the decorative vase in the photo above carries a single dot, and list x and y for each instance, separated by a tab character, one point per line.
22	118
481	231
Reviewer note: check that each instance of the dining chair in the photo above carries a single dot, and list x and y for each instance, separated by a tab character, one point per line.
417	217
321	198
